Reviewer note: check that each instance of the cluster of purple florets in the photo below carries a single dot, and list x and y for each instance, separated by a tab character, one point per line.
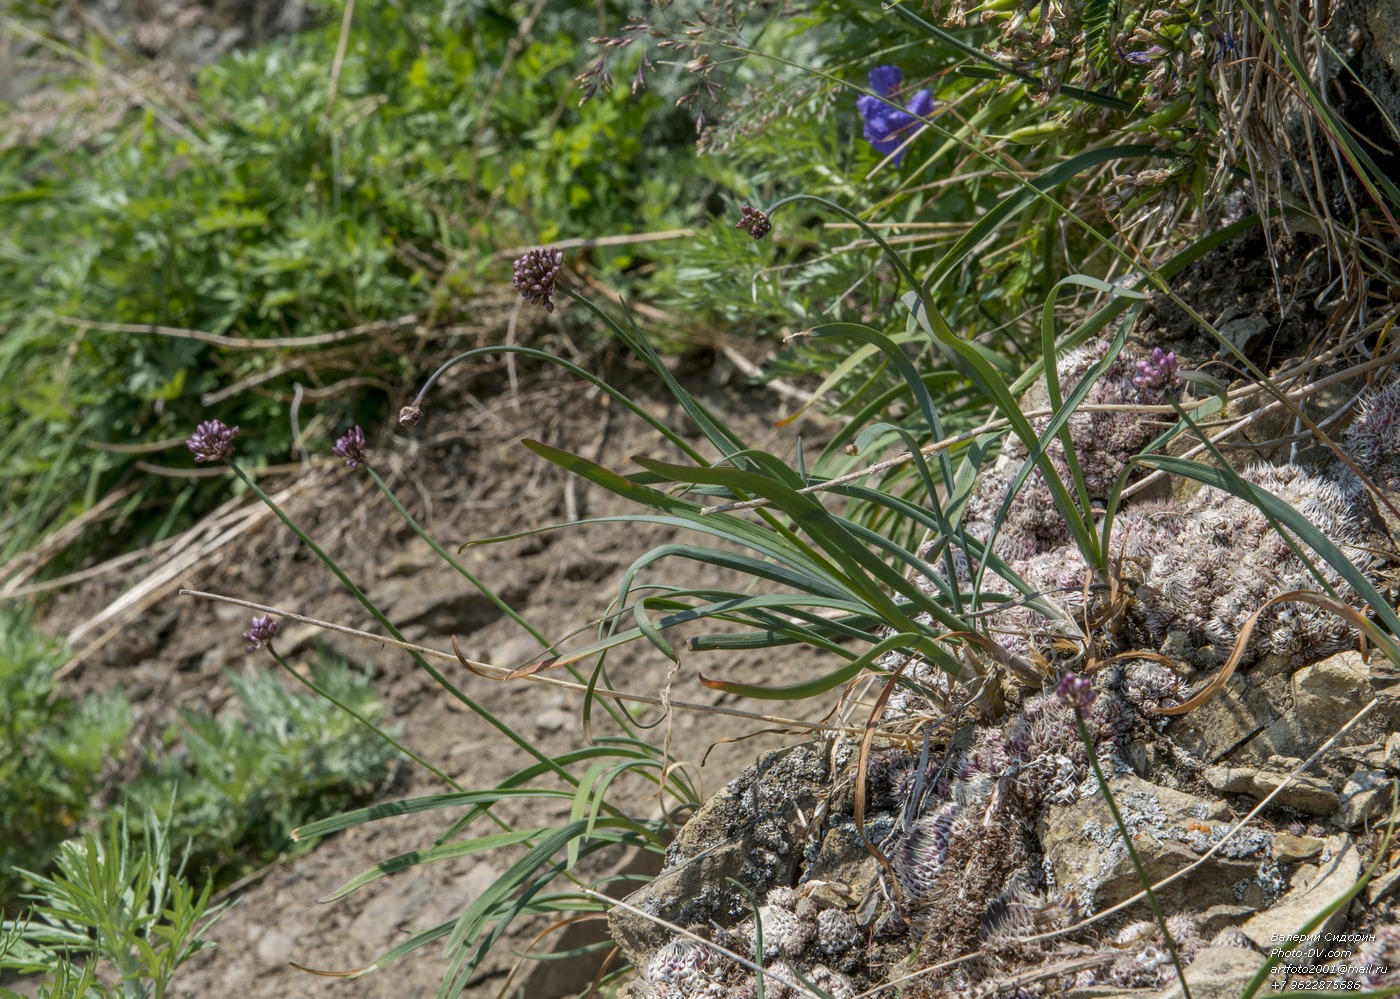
351	447
212	441
261	633
1158	373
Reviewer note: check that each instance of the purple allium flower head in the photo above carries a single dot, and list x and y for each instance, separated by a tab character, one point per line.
887	126
1076	692
412	414
535	274
756	223
212	441
260	633
1159	373
351	447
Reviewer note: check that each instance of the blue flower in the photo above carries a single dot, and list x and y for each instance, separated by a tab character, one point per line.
1144	57
887	125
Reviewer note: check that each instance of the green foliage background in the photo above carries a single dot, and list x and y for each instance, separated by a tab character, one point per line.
257	208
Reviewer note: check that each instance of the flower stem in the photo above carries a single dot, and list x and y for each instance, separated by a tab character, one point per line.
379	616
317	688
466	573
1155	905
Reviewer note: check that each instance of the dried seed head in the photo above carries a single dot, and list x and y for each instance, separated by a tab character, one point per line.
212	441
755	222
351	447
412	414
535	274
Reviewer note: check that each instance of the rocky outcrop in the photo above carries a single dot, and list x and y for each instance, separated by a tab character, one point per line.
995	860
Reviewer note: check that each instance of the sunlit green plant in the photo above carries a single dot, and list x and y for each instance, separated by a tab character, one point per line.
235	786
115	900
52	751
285	231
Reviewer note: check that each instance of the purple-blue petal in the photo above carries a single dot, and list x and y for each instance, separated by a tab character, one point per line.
870	106
884	79
922	104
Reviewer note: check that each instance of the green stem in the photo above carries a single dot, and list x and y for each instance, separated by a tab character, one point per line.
1137	861
379	616
317	688
466	573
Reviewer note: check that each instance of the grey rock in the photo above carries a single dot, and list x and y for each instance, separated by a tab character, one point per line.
275	949
1325	696
1290	849
1312	888
1304	792
554	719
1366	796
1224	723
842	862
752	830
1382	886
1221	917
1084	849
1218	973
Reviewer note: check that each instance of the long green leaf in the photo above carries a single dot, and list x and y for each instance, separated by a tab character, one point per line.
1013	203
